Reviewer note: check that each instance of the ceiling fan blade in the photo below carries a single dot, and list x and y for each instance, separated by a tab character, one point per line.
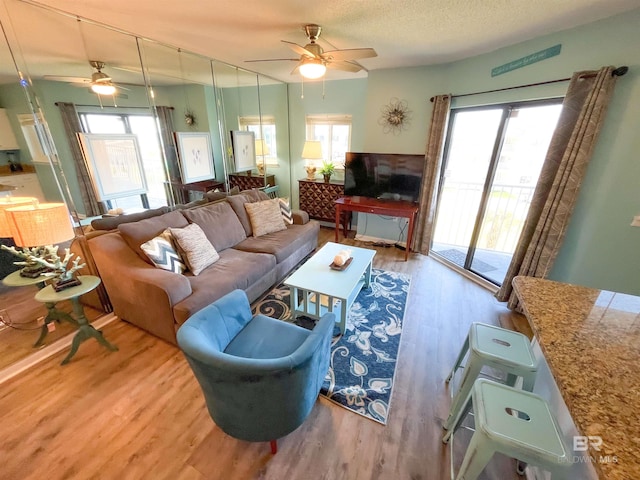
60	78
345	66
349	54
295	71
300	50
274	60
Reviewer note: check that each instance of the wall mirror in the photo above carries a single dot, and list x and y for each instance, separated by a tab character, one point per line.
160	90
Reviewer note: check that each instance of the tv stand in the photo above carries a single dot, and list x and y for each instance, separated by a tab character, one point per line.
392	208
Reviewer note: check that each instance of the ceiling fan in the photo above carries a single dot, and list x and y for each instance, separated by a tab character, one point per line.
99	83
314	61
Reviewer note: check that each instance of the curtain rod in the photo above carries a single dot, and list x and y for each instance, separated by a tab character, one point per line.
106	106
618	72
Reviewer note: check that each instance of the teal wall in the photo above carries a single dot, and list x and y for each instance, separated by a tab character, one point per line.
340	97
600	246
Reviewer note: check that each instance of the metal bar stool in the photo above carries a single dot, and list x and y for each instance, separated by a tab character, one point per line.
513	422
494	347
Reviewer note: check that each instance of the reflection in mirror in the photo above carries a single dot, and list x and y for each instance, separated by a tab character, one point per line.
274	110
47	102
240	97
184	99
160	91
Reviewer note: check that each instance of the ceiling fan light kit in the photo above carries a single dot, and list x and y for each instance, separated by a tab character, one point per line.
103	88
312	68
314	61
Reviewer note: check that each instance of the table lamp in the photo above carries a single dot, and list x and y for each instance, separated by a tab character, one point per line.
262	149
11	202
311	151
36	228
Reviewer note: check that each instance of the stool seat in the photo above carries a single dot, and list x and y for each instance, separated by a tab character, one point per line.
503	346
515	423
510	417
495	347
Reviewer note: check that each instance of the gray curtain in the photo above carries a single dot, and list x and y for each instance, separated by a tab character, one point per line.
165	126
431	174
72	126
574	138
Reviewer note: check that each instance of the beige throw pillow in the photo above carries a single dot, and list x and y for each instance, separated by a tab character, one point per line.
196	249
265	217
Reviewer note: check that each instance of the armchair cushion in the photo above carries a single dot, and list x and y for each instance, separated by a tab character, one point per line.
266	337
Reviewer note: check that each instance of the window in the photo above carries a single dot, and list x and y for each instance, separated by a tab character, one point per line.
492	160
334	132
144	127
252	124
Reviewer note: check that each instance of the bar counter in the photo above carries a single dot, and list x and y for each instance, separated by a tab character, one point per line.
591	341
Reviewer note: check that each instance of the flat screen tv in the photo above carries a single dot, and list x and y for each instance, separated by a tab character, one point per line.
387	176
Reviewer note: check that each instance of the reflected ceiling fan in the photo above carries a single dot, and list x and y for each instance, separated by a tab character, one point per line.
99	83
314	61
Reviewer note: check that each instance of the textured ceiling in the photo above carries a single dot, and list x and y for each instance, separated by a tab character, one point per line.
403	32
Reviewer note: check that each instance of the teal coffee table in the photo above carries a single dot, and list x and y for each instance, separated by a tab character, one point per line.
323	289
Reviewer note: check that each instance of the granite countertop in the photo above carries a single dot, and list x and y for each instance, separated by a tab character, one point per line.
591	341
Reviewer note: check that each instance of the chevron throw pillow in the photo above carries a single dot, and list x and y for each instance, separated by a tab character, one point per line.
285	210
163	254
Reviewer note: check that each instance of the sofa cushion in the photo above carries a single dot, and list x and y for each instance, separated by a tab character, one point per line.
237	203
282	244
234	269
112	222
136	233
265	217
195	247
219	223
162	253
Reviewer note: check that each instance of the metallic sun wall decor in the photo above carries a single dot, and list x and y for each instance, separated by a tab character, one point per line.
395	117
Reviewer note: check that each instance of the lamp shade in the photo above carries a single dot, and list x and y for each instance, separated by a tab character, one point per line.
262	148
312	68
312	150
11	202
43	224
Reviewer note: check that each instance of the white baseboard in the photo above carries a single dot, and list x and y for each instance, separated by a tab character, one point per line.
49	350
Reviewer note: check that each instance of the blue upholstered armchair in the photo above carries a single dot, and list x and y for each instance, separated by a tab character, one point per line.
260	376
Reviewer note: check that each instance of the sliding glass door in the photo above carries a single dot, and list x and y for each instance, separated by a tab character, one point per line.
492	161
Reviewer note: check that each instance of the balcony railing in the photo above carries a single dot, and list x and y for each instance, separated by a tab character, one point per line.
504	218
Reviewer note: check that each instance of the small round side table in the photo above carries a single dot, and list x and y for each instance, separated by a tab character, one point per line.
50	297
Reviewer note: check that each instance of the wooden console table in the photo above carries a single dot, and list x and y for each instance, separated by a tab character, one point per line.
247	182
392	208
181	190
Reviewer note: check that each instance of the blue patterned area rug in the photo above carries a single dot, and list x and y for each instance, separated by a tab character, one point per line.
363	360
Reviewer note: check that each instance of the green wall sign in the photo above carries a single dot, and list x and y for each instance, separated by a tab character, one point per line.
528	60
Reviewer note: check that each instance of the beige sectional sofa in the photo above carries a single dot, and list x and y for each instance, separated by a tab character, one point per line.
159	301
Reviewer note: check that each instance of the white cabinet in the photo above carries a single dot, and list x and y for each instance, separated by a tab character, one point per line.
27	183
7	137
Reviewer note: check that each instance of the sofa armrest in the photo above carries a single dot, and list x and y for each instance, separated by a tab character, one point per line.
140	293
300	217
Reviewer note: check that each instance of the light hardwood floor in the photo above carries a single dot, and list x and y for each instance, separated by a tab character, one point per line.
16	343
139	414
